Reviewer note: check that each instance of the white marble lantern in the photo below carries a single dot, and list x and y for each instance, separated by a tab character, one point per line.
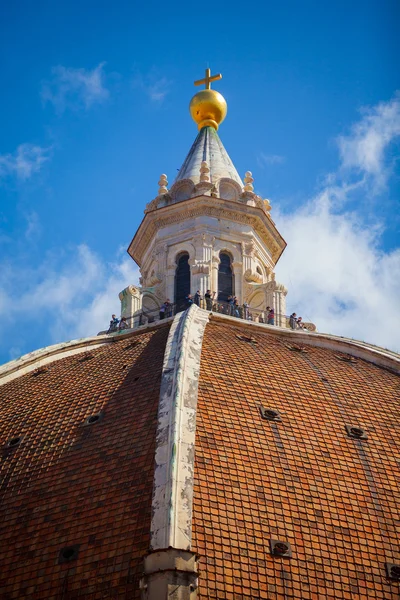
209	213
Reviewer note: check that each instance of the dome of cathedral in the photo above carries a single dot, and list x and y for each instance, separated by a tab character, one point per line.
235	459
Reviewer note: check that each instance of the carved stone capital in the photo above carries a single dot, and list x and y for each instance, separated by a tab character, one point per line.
203	239
154	279
248	248
271	286
131	290
281	288
201	268
237	265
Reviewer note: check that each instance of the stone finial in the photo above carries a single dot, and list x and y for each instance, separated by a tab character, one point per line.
204	172
248	180
267	204
163	183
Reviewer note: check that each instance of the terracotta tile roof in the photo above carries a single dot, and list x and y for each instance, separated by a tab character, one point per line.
300	480
68	484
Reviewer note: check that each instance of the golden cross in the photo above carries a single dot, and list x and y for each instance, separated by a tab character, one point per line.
208	79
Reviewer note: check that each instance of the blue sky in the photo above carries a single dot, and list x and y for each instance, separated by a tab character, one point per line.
94	107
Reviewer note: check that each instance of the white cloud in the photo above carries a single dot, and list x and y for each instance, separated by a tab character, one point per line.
338	277
25	162
156	87
75	88
337	274
33	227
364	149
269	159
66	298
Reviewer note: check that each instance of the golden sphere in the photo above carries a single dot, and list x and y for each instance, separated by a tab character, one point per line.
208	108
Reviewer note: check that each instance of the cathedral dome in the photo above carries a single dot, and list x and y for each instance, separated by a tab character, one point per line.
229	458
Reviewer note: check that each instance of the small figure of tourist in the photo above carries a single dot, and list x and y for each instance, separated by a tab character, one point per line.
163	309
246	311
189	300
271	316
299	323
236	312
209	299
168	308
113	323
231	301
292	321
123	324
197	298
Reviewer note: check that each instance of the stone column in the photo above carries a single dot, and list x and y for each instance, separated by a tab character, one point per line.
248	249
214	275
207	261
131	303
194	276
170	282
238	273
201	267
280	304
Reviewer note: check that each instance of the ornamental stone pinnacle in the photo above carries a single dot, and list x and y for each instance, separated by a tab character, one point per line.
163	183
204	172
248	180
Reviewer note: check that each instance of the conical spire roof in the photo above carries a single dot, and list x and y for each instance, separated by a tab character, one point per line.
209	148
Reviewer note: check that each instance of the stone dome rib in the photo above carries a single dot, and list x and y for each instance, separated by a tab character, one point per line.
208	147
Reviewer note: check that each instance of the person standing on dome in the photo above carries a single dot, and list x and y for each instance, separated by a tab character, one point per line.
189	300
123	324
113	324
197	298
292	321
168	308
231	301
271	316
236	312
209	299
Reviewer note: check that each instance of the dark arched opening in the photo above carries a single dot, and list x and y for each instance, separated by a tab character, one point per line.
182	280
225	277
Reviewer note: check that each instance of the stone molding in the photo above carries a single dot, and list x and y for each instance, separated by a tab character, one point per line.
171	525
219	208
